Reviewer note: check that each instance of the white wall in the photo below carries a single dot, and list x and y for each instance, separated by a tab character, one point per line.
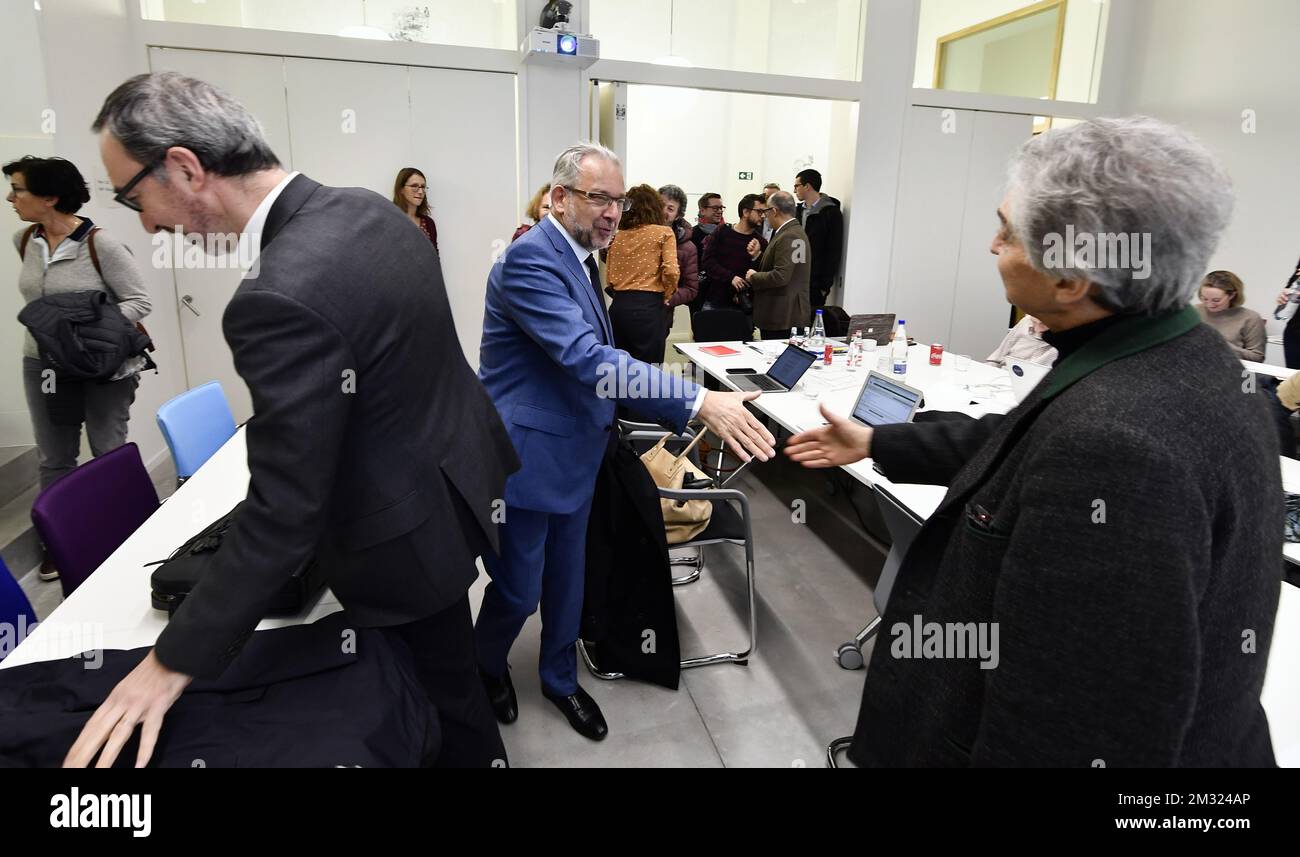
1078	49
1201	64
80	72
23	131
478	23
804	38
702	140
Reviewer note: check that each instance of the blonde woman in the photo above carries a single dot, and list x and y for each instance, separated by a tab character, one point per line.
1222	295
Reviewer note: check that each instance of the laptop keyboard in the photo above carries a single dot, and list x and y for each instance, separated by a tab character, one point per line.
765	383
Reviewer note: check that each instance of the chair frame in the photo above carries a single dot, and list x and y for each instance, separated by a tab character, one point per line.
644	431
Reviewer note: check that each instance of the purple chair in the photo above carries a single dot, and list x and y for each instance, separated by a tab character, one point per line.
86	515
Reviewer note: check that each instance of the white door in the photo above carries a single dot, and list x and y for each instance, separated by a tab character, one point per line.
202	295
472	181
350	122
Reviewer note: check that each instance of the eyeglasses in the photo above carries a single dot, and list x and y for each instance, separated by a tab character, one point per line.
603	200
715	208
418	187
120	196
758	210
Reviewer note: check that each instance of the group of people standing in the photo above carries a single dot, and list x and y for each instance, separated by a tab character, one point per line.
659	261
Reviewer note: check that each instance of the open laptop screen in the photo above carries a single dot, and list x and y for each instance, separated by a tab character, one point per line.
884	402
790	366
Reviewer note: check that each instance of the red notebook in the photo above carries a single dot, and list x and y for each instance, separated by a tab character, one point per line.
719	350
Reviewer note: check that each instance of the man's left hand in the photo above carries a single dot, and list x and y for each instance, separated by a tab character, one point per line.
749	275
140	699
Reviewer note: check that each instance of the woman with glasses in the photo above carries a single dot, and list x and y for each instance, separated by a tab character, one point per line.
411	194
642	271
62	252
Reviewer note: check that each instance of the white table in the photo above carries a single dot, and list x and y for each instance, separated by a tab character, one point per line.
795	413
112	608
1279	372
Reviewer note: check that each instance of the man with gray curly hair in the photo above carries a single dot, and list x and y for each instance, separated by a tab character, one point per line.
1120	556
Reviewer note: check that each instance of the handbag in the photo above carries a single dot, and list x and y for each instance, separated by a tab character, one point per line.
176	576
683	519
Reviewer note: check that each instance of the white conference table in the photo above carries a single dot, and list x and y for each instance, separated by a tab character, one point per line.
838	388
112	608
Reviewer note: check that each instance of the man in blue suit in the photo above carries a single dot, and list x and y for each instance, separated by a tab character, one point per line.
549	363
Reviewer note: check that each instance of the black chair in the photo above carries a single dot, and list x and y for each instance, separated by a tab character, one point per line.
721	325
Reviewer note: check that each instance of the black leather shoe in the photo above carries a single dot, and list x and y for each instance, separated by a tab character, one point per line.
501	696
583	714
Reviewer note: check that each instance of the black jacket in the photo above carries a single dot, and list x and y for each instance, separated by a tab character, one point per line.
825	228
82	334
1122	527
628	588
318	695
372	442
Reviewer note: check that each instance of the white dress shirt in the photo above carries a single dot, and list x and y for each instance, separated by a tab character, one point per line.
250	238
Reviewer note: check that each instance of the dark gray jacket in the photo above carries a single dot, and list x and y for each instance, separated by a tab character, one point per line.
372	443
1123	528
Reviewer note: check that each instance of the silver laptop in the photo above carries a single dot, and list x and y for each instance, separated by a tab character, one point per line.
885	401
784	374
878	327
1025	376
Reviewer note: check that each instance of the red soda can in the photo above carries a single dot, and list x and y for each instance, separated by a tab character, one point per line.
830	352
936	354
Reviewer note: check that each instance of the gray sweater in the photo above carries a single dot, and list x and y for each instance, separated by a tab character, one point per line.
122	279
1243	328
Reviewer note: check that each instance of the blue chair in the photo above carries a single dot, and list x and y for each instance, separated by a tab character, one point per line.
195	424
16	614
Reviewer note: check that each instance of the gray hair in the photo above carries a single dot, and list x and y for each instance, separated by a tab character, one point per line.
672	193
151	113
783	202
568	166
1106	178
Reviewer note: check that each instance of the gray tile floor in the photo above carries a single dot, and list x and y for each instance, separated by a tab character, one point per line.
814	592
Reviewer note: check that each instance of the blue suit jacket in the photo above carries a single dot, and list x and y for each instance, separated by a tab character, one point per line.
548	362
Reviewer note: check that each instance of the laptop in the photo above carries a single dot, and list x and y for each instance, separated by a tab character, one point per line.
784	374
878	327
1025	376
884	401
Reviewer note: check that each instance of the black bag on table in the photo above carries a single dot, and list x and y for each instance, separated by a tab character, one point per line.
177	576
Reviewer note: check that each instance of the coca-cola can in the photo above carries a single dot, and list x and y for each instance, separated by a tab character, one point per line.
830	353
936	354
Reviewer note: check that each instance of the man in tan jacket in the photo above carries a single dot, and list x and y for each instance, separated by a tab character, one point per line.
781	282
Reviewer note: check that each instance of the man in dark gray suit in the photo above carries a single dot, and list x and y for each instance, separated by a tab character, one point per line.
781	281
1117	536
372	443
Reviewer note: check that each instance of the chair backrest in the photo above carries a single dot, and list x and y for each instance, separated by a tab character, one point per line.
722	325
17	618
86	515
195	424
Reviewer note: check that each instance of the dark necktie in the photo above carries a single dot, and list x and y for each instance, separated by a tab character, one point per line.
595	286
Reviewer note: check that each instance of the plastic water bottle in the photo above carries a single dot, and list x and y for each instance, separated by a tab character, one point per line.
818	341
1286	310
855	352
899	349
